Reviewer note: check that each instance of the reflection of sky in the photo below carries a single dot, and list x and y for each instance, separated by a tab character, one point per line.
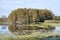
6	30
57	28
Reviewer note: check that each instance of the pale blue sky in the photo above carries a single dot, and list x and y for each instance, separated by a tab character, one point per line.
6	6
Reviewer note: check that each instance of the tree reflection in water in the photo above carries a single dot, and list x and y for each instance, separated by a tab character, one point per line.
27	29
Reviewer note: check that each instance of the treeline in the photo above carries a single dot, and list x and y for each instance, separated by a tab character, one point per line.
27	16
57	17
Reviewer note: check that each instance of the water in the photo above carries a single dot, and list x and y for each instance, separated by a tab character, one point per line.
57	29
5	29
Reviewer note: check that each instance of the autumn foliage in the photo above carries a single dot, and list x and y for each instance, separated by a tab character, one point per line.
26	16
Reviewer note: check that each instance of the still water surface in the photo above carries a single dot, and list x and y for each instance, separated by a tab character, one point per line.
5	29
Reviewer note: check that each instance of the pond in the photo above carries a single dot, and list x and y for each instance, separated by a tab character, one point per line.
57	29
6	29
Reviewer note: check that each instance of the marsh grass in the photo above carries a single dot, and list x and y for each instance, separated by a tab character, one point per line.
33	36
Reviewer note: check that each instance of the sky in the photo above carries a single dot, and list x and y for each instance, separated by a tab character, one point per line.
6	6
